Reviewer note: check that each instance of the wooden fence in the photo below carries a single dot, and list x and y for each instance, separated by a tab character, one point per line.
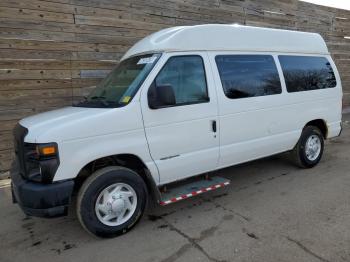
50	50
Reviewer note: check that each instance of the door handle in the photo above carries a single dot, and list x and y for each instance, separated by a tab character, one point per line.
213	125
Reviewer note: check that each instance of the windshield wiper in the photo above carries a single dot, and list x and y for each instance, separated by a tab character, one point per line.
95	100
96	97
101	99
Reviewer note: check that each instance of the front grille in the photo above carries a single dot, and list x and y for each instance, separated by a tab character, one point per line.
19	132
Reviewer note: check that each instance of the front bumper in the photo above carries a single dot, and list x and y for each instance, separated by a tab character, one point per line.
42	200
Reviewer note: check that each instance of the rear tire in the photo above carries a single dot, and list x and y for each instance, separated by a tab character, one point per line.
111	201
309	149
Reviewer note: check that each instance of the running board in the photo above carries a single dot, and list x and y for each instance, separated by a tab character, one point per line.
192	189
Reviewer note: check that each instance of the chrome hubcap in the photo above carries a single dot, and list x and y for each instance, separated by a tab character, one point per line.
313	147
116	204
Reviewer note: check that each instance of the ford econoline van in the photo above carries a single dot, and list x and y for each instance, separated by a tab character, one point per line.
182	102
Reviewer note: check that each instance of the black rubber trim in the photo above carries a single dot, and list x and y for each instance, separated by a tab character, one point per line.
19	132
154	190
341	128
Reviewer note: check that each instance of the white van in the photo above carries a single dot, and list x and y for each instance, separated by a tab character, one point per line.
182	102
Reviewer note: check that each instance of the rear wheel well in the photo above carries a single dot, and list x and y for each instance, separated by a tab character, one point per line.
321	124
126	160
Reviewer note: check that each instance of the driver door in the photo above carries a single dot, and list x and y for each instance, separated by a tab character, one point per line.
183	137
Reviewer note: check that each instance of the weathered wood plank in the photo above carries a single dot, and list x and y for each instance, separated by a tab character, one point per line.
7	125
26	34
31	14
40	5
6	140
53	52
116	22
55	64
43	103
50	26
96	56
6	157
6	115
36	74
105	39
134	14
29	44
16	84
10	64
38	84
7	54
93	64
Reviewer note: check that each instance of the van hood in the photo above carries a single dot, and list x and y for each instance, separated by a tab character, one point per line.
66	123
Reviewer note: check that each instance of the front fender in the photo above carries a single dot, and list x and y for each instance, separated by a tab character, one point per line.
75	154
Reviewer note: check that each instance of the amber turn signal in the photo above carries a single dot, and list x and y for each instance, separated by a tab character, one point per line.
46	150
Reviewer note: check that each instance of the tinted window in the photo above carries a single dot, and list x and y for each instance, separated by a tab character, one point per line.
248	75
186	75
303	73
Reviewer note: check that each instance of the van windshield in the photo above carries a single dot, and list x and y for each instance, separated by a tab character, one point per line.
122	83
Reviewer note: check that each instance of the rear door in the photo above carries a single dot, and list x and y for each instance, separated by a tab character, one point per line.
182	138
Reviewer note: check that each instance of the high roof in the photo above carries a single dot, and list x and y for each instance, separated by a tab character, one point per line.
229	37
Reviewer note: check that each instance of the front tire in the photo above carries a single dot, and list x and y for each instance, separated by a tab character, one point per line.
309	149
111	201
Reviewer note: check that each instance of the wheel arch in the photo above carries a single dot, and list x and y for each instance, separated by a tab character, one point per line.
321	124
130	161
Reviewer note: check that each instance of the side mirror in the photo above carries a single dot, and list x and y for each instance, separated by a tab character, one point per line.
161	96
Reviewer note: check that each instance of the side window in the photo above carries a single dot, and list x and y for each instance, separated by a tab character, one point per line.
248	75
304	73
186	76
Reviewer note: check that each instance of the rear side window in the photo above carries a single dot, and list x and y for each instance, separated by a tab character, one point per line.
248	75
304	73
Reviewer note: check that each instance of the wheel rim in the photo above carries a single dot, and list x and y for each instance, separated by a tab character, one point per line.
313	147
116	204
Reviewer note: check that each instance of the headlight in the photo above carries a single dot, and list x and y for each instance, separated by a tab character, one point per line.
41	161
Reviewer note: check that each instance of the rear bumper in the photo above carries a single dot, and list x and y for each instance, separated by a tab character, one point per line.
42	200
